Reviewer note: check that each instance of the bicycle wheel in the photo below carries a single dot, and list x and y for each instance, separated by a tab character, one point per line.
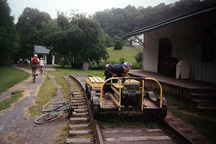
34	77
48	117
52	104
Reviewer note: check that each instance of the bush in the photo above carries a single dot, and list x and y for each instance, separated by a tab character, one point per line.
118	45
121	60
137	66
63	62
139	57
95	66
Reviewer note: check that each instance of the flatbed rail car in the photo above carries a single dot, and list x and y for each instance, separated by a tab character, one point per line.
125	94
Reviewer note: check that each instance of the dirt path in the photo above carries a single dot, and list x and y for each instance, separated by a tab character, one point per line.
17	126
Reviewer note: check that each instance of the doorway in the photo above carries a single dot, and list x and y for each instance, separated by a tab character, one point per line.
164	55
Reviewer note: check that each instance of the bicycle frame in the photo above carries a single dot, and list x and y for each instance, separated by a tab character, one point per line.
57	108
34	76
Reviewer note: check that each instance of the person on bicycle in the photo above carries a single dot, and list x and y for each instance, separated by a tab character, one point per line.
34	63
118	70
42	64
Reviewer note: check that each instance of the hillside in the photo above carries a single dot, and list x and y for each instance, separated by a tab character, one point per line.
128	53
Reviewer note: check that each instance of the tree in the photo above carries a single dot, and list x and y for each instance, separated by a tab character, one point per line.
29	23
108	40
78	39
8	35
118	45
118	21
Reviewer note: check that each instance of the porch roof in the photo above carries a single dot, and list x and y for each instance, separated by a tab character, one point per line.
41	50
166	22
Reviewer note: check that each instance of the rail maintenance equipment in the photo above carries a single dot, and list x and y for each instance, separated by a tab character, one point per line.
125	94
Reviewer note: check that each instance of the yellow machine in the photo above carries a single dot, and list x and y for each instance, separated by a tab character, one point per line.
125	94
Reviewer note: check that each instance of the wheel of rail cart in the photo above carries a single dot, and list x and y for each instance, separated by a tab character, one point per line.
88	91
96	111
48	117
162	113
92	94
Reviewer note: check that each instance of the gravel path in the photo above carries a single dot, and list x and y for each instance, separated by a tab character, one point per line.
17	126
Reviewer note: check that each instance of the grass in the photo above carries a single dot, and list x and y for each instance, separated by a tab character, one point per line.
128	53
64	71
204	124
6	103
46	94
10	76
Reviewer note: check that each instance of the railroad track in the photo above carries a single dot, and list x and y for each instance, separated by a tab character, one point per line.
125	128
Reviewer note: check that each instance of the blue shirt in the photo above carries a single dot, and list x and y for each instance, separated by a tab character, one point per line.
117	69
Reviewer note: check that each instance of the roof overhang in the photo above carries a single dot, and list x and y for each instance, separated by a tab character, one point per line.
166	22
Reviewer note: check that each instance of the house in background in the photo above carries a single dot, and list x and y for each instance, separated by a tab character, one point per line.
45	53
186	43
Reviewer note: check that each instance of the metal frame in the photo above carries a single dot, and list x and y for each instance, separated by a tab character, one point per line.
118	90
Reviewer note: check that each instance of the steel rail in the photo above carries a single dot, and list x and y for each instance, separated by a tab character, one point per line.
96	127
98	134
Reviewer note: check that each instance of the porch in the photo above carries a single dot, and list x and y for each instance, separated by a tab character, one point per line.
201	93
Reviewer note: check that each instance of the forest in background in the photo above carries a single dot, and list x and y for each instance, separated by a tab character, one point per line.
37	28
118	21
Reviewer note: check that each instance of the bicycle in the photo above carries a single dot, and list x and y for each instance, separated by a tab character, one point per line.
34	76
34	68
41	70
62	109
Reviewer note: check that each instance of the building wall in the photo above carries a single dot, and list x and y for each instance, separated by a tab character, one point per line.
188	37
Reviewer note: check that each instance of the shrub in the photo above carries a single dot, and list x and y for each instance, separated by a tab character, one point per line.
139	57
118	45
121	60
63	62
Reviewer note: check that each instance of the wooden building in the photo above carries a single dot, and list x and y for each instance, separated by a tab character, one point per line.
45	53
188	40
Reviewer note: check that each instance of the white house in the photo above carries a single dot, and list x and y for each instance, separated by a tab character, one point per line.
45	53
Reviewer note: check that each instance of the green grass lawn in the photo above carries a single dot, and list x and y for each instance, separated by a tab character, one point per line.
10	76
128	53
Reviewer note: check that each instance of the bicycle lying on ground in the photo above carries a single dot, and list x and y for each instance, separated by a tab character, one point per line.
54	110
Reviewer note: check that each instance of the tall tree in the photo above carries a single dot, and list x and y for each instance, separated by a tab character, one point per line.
8	35
29	23
116	21
78	38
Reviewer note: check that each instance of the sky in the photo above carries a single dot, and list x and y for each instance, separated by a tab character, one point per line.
81	6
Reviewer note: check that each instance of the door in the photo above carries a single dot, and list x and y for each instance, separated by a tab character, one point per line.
164	55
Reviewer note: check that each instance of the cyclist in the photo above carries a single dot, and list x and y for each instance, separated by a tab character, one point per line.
118	70
34	63
42	64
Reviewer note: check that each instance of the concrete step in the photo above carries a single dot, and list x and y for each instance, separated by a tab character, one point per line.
80	110
77	98
78	126
81	114
203	96
78	140
206	108
78	104
79	119
204	102
78	132
80	101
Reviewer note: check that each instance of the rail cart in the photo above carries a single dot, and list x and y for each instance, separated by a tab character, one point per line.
125	94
